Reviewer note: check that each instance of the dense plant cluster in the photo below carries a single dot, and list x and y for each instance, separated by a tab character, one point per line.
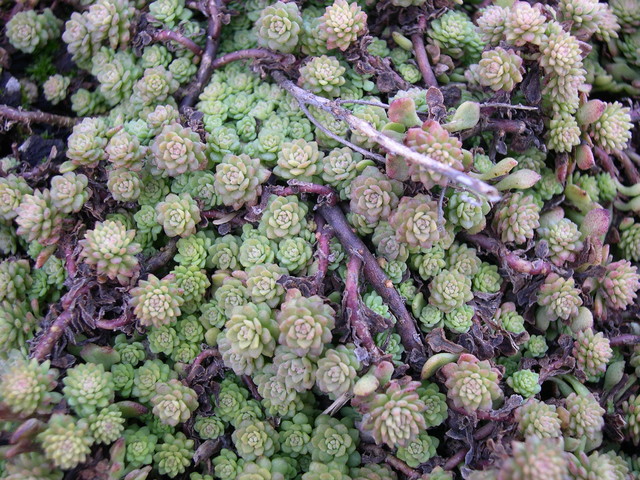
320	240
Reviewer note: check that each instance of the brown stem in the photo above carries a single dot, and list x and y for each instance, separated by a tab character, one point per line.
389	144
327	194
249	53
423	61
627	339
45	344
206	64
323	236
455	459
125	319
23	116
162	258
163	36
510	259
402	467
353	309
605	162
249	383
629	168
202	356
354	247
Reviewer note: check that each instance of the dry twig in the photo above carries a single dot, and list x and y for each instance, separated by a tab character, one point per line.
363	127
23	116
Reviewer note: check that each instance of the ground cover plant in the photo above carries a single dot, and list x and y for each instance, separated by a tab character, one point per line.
319	240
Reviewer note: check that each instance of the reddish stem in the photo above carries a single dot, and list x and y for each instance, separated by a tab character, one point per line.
402	467
250	53
323	236
354	247
162	258
327	194
423	61
252	387
206	64
535	267
353	309
163	36
125	319
45	345
627	339
629	168
455	459
22	116
202	356
606	163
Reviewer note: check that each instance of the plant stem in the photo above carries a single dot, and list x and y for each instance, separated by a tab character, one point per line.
327	194
45	344
510	259
125	319
456	458
422	60
23	116
353	308
162	258
354	247
206	64
627	339
250	53
163	36
323	236
202	356
402	467
392	146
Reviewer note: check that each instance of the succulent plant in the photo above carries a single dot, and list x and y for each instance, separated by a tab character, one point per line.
533	459
394	416
337	370
88	387
612	130
178	215
620	285
449	290
173	455
472	384
305	323
433	140
38	218
333	440
283	217
524	24
111	248
55	88
559	296
592	353
517	218
27	386
106	425
177	150
299	160
31	466
536	418
238	180
456	36
28	31
415	221
581	416
563	133
323	75
419	451
343	23
631	413
525	382
173	402
279	27
297	372
66	441
156	302
253	439
500	69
